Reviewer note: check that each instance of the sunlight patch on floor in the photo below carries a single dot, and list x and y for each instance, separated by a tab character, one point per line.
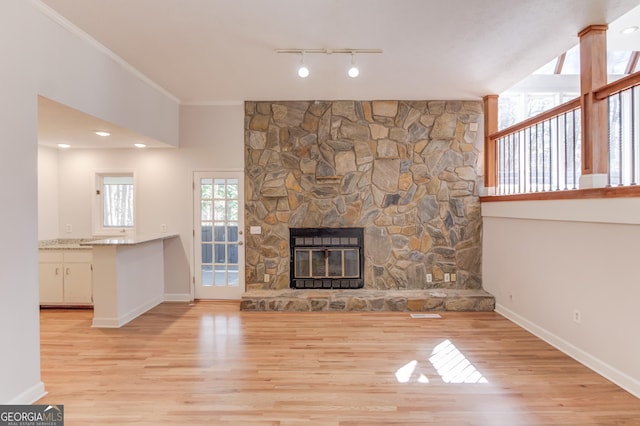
453	366
450	364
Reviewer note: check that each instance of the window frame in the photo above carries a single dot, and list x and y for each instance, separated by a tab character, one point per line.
98	204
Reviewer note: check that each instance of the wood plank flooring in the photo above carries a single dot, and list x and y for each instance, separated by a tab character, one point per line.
210	364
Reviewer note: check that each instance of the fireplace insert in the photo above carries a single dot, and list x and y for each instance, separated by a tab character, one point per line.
327	258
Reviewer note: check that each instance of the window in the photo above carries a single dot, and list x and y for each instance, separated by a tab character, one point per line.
114	207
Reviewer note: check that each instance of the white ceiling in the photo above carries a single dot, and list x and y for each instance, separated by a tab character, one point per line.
223	51
59	124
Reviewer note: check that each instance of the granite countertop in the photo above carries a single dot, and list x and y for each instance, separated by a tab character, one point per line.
129	240
66	244
88	243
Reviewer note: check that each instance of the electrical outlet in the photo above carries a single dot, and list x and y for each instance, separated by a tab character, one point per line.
429	278
163	228
267	277
68	228
454	277
447	277
576	316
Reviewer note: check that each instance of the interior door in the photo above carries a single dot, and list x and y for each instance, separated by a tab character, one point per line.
218	235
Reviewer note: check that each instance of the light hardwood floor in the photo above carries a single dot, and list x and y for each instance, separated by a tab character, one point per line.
210	364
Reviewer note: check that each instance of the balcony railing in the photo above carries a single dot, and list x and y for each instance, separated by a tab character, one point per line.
623	101
544	153
540	154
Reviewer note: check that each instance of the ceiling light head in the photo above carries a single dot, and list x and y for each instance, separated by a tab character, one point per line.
102	133
139	145
64	145
303	71
629	30
353	71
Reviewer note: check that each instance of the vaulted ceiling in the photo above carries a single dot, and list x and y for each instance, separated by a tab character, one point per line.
218	51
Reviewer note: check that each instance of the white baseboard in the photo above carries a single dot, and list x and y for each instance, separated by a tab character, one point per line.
29	396
611	373
177	297
105	323
129	316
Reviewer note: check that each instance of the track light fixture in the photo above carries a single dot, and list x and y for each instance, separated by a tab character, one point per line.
303	70
353	71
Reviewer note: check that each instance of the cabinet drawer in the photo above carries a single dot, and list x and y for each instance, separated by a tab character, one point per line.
50	256
83	256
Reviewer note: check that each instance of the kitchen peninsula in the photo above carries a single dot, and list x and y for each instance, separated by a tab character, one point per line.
128	277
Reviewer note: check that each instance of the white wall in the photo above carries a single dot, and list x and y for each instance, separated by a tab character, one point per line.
41	57
543	260
48	219
19	327
211	138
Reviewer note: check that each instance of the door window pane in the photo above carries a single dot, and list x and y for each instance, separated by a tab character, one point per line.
219	232
232	253
206	210
219	253
232	210
206	232
220	276
219	210
206	188
232	232
232	275
207	275
206	253
219	189
232	188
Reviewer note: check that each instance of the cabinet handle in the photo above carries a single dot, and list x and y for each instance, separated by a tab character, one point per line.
57	271
66	271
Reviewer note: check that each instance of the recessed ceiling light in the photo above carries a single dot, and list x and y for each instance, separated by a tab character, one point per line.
101	133
64	145
139	145
629	30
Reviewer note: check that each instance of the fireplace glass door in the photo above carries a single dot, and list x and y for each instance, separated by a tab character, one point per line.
327	263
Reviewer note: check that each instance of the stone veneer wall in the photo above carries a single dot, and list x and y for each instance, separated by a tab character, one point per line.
408	172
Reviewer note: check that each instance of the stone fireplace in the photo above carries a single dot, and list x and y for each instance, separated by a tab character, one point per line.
407	173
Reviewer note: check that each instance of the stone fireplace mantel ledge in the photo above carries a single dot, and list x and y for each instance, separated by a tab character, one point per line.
438	299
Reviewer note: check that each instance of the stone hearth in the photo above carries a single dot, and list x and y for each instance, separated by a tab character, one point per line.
367	300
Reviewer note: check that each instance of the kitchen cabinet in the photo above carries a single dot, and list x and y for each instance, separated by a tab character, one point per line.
65	277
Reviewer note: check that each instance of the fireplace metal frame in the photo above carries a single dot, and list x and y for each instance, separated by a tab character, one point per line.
328	239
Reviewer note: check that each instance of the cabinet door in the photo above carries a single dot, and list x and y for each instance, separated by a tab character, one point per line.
77	283
51	283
